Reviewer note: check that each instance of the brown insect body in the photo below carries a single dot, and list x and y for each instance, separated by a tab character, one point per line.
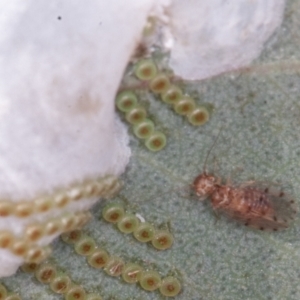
205	185
252	205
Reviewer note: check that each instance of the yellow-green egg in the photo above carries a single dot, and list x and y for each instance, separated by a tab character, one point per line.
85	246
198	116
6	208
143	129
6	239
170	286
114	266
98	259
29	267
113	213
144	232
36	254
162	239
132	273
43	204
3	292
159	84
45	273
136	115
76	292
156	141
20	247
185	105
172	95
93	297
71	237
60	284
145	69
126	101
23	209
128	223
150	280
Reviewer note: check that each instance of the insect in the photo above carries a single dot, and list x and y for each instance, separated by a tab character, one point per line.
254	205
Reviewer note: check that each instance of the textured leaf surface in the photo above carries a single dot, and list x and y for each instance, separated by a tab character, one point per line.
259	111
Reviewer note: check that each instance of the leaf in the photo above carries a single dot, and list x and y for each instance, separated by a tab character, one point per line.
259	111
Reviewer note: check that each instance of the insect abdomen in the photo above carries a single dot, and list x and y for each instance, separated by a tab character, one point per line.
252	207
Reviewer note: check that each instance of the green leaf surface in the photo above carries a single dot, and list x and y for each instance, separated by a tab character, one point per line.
258	109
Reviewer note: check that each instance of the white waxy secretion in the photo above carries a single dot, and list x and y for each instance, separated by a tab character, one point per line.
61	63
216	36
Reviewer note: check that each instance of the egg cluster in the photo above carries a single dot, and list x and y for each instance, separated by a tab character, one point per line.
59	282
143	231
26	246
99	258
5	295
159	83
105	187
28	242
143	127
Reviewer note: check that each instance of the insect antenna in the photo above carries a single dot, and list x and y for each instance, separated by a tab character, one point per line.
209	151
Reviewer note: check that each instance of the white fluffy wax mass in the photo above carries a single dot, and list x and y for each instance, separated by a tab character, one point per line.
61	63
215	36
